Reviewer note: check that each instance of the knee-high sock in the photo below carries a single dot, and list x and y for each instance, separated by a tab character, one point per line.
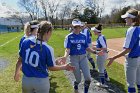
75	85
138	86
102	78
131	90
92	62
86	86
105	72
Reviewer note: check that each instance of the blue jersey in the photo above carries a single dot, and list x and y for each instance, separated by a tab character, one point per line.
21	40
36	58
76	43
132	41
101	42
86	32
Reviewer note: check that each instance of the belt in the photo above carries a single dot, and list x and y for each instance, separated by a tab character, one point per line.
135	57
105	51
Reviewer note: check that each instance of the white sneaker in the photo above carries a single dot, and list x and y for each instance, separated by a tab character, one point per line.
101	85
76	91
107	79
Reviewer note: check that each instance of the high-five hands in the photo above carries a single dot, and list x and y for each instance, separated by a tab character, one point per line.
100	53
111	59
61	61
68	67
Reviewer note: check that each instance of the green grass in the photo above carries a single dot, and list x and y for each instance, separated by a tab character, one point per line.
59	83
116	74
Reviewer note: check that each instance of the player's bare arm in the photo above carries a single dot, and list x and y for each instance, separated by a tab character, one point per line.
111	59
17	70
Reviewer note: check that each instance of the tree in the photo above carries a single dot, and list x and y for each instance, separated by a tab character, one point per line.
89	16
97	6
18	16
31	6
115	16
65	12
53	6
44	8
75	13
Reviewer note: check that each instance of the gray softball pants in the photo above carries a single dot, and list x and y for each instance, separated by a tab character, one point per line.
35	85
101	62
81	64
88	53
132	71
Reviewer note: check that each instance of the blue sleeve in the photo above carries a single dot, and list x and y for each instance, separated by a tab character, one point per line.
21	41
131	38
88	37
21	50
86	43
67	43
50	58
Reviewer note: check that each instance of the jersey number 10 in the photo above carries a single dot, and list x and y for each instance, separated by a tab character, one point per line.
29	58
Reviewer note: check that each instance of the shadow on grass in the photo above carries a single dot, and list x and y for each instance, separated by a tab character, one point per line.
114	86
53	85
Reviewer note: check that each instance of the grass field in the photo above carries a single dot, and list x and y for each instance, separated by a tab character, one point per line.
59	83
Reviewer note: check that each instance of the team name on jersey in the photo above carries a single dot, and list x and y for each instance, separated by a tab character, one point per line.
77	41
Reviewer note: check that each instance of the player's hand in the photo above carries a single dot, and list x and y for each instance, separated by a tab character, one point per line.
61	61
110	61
17	77
100	53
69	67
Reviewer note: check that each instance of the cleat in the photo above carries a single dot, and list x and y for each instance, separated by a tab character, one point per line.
101	85
76	91
107	79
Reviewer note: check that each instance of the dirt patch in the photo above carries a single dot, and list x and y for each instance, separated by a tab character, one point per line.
115	46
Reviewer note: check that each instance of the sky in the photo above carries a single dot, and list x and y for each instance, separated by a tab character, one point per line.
12	3
109	4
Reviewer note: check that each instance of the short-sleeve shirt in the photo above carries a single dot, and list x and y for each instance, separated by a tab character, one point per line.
77	43
36	58
101	42
23	38
132	41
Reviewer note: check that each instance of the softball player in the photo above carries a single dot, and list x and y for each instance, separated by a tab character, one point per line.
87	33
37	57
76	46
132	47
101	45
30	30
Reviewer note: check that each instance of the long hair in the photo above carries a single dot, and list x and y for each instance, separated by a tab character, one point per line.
136	20
44	27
